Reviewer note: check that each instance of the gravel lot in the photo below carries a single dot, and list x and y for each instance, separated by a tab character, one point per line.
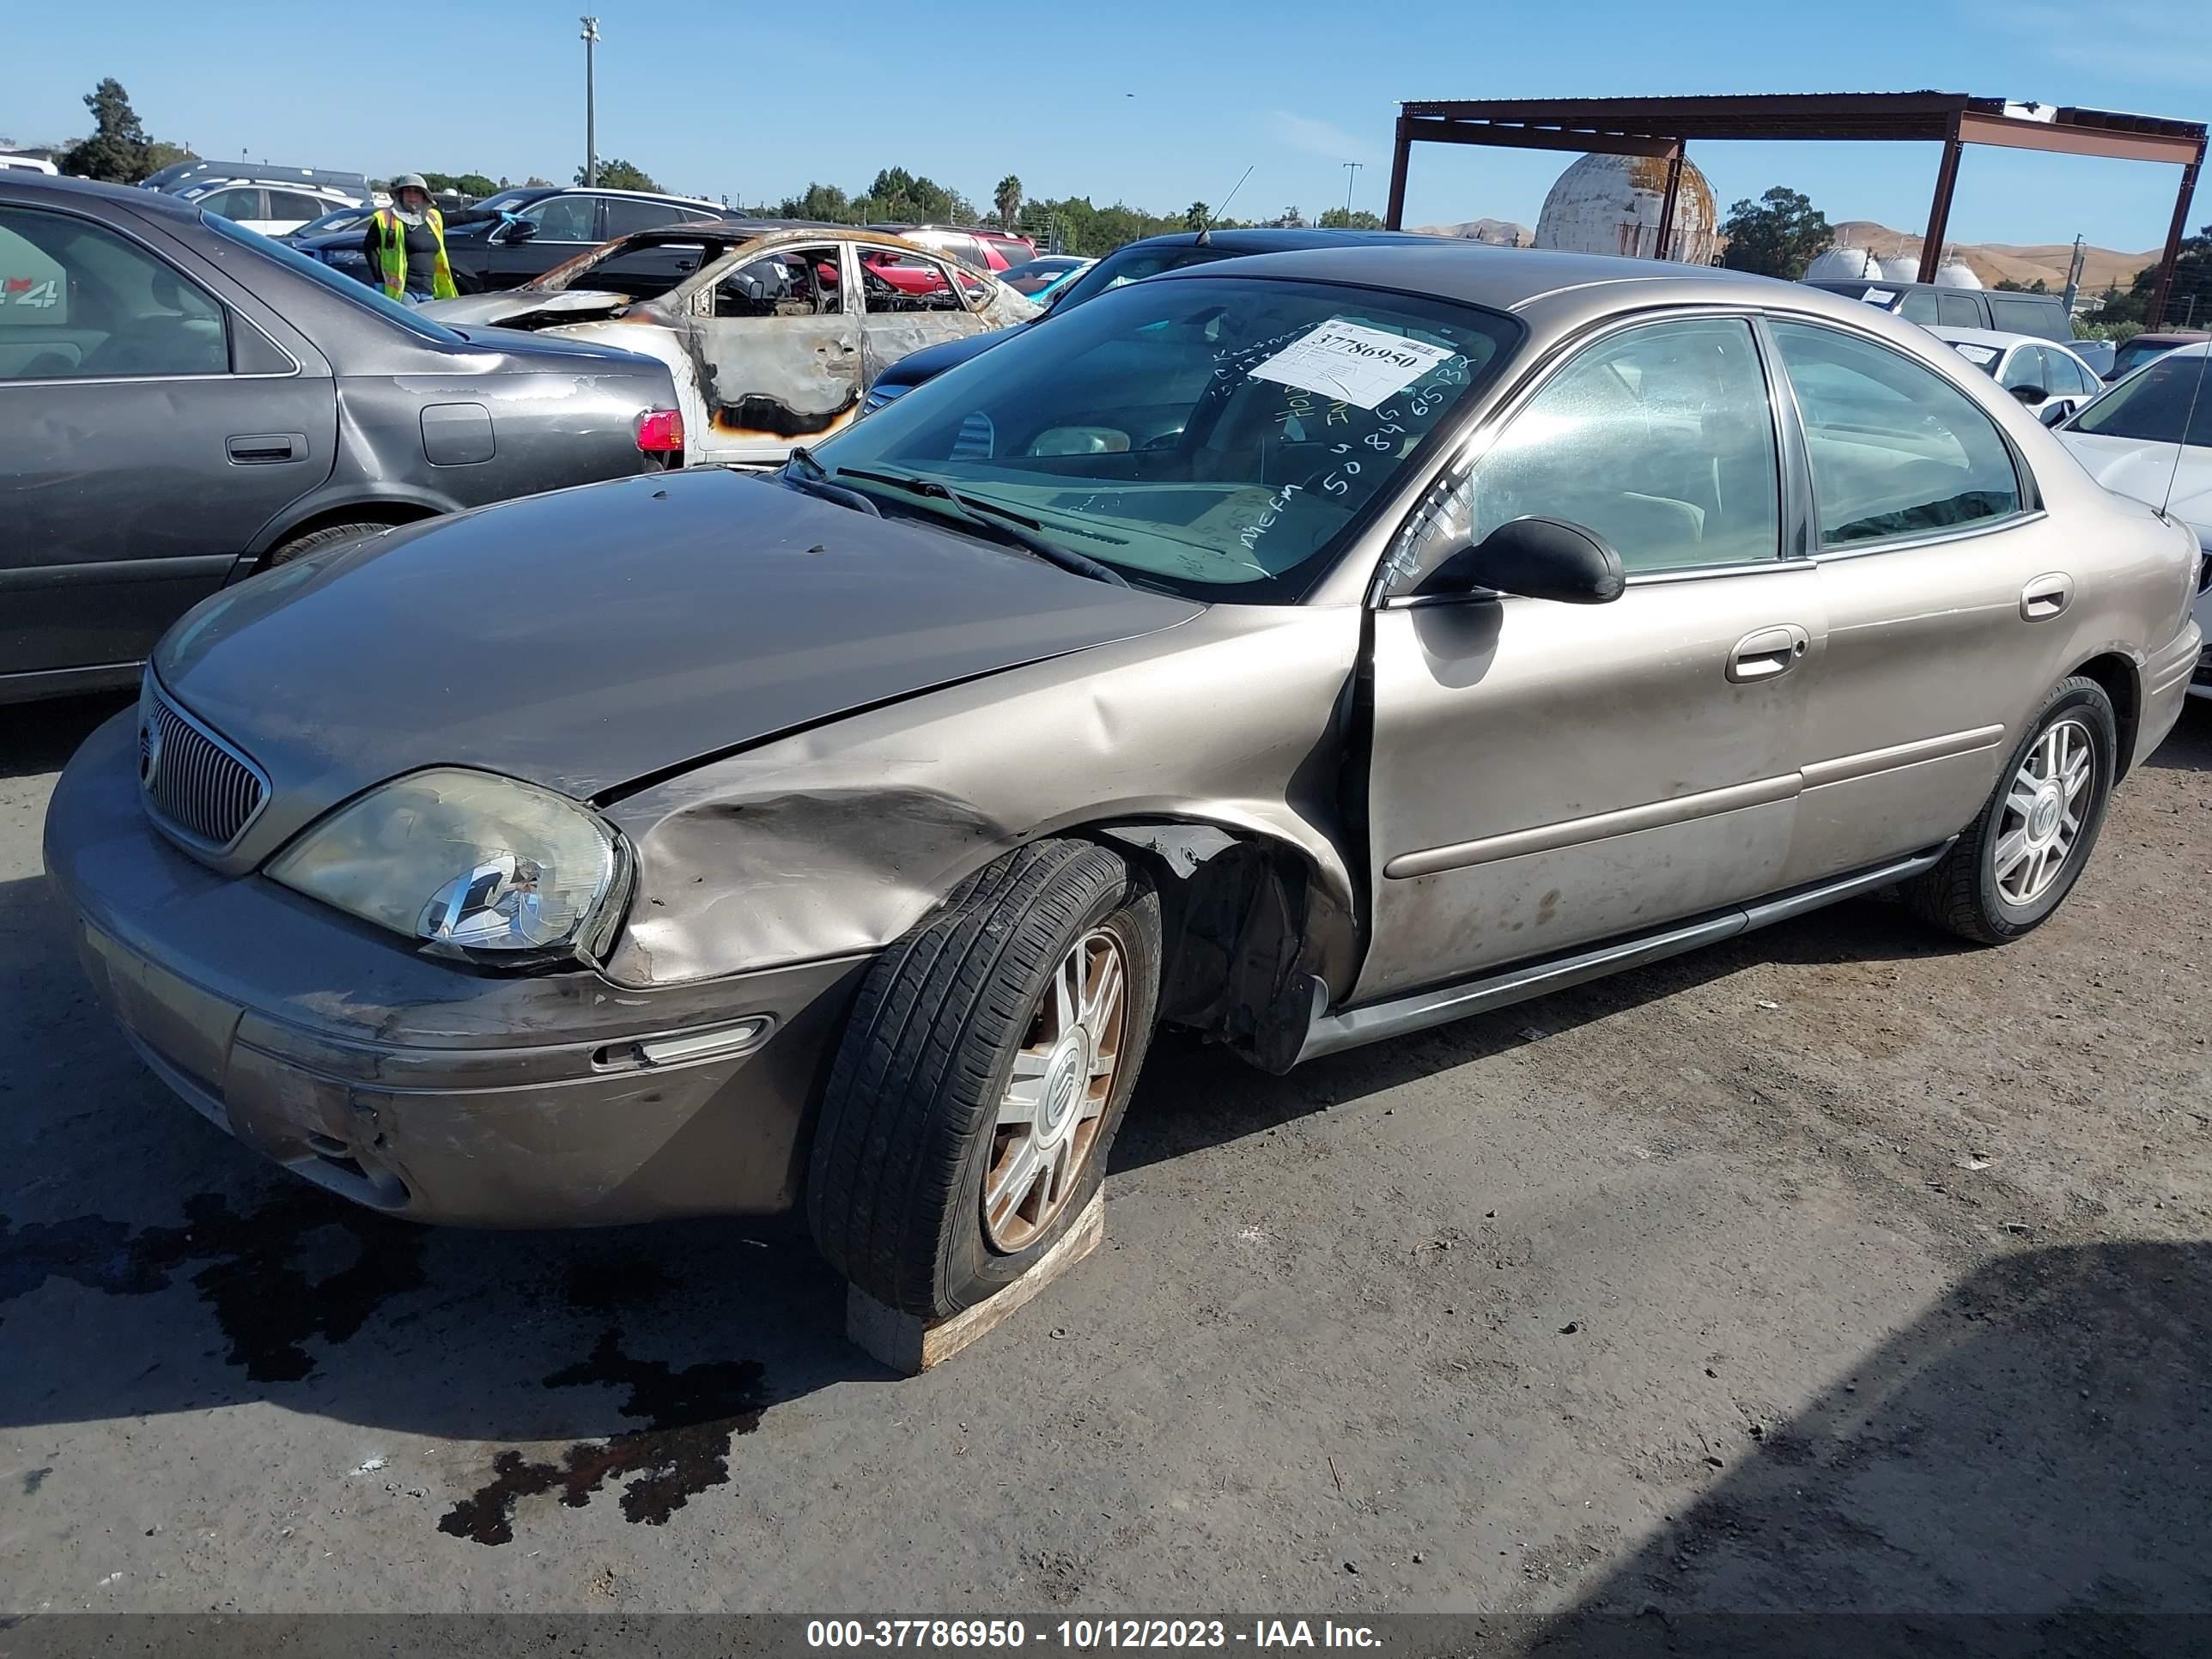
1838	1267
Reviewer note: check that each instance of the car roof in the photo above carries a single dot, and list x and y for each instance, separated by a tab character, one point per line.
2181	338
1277	239
1506	278
152	203
1988	337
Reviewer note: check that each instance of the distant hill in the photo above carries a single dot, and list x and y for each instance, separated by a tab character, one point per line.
1502	232
1994	262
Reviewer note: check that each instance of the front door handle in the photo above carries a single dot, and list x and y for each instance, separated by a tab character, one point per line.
266	448
1768	653
2045	597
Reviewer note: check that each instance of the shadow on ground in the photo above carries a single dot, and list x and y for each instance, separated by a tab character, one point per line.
40	737
2029	1461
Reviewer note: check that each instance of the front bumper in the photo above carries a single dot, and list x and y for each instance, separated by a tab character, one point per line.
417	1087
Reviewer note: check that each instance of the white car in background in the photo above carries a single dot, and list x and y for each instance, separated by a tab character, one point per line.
274	209
2150	436
2044	375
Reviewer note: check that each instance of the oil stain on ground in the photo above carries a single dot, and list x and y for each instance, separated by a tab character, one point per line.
689	1418
295	1267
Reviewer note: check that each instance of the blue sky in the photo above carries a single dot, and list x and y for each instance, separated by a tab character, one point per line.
755	101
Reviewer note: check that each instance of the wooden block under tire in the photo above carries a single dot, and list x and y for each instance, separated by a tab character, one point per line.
910	1345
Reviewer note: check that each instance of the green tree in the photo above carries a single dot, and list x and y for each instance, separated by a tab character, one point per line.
160	155
2009	286
2192	282
824	201
117	150
1008	198
1339	219
617	175
1194	218
1778	235
1289	219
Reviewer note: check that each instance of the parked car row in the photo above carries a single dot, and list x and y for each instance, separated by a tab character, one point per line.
836	837
185	402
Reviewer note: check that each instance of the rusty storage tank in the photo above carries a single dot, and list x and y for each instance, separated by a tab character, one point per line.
1610	204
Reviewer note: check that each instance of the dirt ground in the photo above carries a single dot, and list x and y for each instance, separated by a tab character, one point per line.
1839	1266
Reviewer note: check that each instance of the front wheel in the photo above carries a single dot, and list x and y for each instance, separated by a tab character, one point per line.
2017	861
982	1077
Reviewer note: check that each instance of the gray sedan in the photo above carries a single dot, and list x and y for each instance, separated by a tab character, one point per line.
183	403
1298	651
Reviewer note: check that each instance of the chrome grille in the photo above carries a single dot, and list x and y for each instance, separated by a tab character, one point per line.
196	784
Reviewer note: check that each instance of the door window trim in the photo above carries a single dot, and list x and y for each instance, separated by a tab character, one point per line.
2031	497
1462	455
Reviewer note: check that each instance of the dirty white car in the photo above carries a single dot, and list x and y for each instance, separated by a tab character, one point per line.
775	331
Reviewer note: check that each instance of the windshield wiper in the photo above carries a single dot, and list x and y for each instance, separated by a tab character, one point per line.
990	516
819	483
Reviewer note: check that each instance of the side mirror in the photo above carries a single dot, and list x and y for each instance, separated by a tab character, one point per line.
515	230
2030	395
1537	559
2054	412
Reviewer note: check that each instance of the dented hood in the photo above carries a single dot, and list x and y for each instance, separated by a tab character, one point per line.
514	302
591	637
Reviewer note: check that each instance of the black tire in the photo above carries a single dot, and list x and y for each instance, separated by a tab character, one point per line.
1961	894
910	1116
332	535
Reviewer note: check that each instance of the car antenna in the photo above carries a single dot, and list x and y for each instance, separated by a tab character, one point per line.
2188	422
1205	230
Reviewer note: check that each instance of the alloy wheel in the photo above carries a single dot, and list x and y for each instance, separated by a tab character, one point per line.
1063	1076
2043	813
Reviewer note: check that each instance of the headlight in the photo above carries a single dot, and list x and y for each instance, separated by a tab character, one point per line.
462	859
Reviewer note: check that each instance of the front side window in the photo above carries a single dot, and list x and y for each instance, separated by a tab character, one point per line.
795	282
126	311
240	202
1660	439
2023	367
1957	311
1896	449
1918	305
2156	405
1220	439
564	218
2065	373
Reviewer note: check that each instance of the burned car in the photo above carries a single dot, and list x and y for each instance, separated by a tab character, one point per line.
775	331
1298	651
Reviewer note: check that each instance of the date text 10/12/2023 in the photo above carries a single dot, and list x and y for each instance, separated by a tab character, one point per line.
1087	1635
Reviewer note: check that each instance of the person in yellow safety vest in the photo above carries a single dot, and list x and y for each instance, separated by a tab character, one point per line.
406	245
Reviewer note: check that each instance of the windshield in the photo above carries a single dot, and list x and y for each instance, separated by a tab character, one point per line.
2154	405
1221	439
346	288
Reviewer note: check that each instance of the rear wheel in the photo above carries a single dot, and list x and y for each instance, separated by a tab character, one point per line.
2017	861
981	1078
331	535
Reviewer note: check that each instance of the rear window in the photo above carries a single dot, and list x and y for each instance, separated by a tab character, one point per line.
352	292
2028	314
2135	354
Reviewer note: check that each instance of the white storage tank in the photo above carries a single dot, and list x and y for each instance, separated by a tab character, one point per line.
1954	273
1843	265
1611	204
1901	268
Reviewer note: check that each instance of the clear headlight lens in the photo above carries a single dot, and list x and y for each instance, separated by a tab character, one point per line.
462	859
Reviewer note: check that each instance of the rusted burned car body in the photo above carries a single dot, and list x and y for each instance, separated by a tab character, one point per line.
774	333
1222	605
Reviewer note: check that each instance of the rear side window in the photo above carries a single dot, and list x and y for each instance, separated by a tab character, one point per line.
1919	307
1896	449
127	313
1957	311
292	204
627	218
2022	313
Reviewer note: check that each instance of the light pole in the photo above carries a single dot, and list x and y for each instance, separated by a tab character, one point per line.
1350	178
590	113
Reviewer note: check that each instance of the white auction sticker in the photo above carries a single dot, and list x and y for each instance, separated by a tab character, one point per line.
1352	363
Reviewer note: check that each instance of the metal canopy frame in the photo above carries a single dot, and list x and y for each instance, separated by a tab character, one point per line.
1662	128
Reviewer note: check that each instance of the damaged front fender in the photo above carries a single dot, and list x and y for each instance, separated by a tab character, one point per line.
836	841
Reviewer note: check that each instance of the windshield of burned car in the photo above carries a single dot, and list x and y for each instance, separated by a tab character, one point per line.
1221	438
2154	405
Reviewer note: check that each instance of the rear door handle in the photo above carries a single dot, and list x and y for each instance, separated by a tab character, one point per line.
1768	653
2045	597
266	448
